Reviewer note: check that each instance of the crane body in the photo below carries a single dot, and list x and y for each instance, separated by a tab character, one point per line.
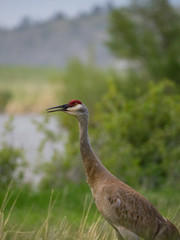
128	212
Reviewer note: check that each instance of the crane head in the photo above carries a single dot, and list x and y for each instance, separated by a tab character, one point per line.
74	107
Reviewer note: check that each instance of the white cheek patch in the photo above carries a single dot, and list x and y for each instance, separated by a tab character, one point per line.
75	108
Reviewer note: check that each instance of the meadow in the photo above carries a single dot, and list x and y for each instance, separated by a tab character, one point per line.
68	211
31	89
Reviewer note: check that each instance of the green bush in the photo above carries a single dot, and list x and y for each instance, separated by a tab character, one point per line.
87	83
83	81
9	164
11	160
141	135
5	97
134	128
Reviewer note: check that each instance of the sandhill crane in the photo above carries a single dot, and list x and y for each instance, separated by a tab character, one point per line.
129	213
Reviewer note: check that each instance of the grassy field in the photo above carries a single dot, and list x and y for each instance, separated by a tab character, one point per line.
67	213
32	89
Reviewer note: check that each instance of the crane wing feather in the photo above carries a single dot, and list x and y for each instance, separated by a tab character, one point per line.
133	211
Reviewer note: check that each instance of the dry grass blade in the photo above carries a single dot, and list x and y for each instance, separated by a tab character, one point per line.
62	230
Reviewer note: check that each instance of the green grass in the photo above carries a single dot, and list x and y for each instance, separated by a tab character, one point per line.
68	213
32	89
33	212
22	74
68	201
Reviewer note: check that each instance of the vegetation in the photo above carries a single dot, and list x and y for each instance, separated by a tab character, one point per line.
138	125
134	129
11	160
151	148
144	133
149	33
5	97
26	89
67	213
84	81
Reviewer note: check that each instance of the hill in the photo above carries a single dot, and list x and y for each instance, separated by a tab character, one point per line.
55	41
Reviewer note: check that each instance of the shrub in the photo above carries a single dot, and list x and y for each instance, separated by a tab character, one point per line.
87	83
134	129
11	159
83	81
5	97
141	135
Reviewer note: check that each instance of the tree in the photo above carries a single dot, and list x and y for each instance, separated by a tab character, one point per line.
149	32
138	138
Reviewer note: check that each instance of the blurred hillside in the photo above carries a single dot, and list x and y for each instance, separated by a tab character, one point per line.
56	40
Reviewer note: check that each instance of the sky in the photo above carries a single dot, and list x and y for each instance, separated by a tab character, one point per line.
12	11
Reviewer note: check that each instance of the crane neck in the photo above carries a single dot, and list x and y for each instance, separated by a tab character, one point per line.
92	165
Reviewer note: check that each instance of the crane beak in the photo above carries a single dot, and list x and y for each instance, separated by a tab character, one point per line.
58	108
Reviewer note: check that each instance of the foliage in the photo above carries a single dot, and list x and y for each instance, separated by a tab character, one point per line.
8	164
5	97
33	214
51	171
87	83
148	32
137	121
83	81
11	159
141	135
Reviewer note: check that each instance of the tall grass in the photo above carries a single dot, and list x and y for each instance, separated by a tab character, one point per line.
61	230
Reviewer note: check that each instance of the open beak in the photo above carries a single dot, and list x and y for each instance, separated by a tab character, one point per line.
58	108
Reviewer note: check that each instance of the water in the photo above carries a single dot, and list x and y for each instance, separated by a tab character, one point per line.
26	136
